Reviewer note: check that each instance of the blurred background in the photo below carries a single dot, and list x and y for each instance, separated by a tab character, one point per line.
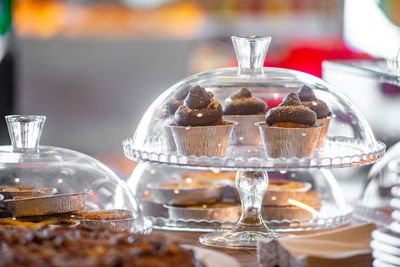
94	66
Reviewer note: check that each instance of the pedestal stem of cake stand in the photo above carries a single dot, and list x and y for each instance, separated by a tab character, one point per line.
250	228
251	187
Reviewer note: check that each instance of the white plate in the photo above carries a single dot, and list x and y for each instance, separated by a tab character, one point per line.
395	203
395	227
396	215
385	257
380	246
212	258
396	191
379	263
386	236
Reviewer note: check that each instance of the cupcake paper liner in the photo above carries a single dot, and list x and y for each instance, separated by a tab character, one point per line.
245	133
211	141
289	142
324	131
168	137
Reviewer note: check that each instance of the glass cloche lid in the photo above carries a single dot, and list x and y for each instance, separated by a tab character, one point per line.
199	200
51	185
229	119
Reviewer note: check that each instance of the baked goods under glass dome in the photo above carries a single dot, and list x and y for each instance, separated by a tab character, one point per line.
197	200
43	185
252	119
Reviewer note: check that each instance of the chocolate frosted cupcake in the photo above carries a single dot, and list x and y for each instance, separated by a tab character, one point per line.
243	103
170	107
198	128
309	100
199	109
290	129
245	109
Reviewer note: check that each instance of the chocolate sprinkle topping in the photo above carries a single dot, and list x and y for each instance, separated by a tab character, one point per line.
243	93
198	109
319	107
172	105
291	110
174	102
182	93
197	98
242	103
291	100
306	94
309	99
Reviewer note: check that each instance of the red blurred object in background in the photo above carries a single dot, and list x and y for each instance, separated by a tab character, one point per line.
307	55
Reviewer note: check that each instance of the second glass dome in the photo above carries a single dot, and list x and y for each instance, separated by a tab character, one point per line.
41	185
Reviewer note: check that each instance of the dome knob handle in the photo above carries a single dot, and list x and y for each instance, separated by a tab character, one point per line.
250	53
25	131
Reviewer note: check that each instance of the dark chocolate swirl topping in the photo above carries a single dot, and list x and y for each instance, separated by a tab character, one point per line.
242	103
198	109
306	93
309	99
291	110
174	102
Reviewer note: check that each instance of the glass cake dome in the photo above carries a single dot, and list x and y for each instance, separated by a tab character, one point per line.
52	185
349	141
252	120
208	200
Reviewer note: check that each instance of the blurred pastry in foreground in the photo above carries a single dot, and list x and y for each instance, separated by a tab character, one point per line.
83	246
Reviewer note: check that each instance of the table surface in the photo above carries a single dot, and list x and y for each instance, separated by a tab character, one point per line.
244	257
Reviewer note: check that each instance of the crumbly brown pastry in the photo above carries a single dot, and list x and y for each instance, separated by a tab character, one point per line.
83	246
194	184
100	215
199	109
309	100
37	221
291	113
285	185
17	188
209	175
243	103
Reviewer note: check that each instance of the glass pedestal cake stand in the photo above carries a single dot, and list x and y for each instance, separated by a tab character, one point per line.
350	141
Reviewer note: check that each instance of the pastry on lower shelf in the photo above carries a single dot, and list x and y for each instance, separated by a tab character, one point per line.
45	205
185	194
280	192
83	246
209	176
150	207
113	220
38	221
295	210
229	212
19	190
